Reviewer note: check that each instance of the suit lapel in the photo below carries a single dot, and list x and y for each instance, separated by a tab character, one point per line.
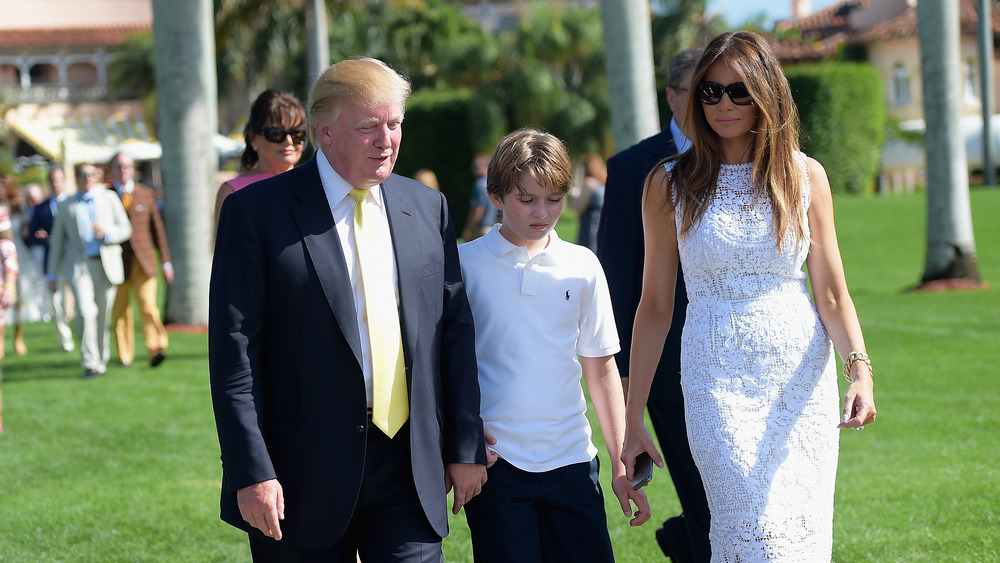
406	246
311	212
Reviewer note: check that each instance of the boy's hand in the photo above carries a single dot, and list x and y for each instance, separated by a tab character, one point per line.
622	488
491	455
638	440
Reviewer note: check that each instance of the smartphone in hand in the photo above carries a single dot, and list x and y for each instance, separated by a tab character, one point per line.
643	472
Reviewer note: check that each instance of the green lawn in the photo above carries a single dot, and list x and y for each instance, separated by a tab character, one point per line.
126	467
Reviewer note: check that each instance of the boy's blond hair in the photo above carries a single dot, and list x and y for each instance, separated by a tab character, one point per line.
540	154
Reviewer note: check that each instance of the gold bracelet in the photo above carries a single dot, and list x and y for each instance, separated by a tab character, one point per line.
856	357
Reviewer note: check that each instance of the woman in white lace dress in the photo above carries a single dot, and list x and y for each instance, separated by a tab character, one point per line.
743	209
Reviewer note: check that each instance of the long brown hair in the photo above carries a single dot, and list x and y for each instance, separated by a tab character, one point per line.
777	173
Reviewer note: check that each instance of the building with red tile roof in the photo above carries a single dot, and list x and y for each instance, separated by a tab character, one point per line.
885	33
60	50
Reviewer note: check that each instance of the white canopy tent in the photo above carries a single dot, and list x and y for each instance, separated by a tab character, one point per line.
71	137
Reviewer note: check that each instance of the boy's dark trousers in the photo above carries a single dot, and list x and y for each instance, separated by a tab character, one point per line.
553	516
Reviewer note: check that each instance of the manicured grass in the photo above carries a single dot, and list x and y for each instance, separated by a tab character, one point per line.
126	467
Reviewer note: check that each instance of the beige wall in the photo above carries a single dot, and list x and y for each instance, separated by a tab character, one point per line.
885	55
35	14
81	74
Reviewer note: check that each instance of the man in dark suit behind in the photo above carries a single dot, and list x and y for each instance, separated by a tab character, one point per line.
620	246
305	471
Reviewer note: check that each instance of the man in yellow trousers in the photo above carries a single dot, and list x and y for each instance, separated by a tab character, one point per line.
141	266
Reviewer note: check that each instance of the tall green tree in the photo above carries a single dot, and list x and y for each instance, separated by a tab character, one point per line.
679	25
133	73
260	45
433	43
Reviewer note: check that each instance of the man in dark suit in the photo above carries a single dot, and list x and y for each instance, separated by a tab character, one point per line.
620	246
142	254
39	231
313	468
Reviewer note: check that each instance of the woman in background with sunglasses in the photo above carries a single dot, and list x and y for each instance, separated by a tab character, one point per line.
275	135
743	209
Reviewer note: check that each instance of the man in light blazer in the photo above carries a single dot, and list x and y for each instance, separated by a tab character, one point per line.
306	472
86	246
620	245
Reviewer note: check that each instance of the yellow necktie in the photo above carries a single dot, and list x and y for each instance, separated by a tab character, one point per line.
390	408
126	199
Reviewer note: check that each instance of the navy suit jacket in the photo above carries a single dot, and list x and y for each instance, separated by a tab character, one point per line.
620	247
41	218
285	352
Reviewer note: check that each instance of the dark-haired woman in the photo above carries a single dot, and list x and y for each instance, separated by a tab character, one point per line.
744	209
275	135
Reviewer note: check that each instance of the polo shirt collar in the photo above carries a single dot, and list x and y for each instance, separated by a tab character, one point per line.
500	246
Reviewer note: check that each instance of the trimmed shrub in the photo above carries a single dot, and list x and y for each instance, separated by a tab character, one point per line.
436	135
842	112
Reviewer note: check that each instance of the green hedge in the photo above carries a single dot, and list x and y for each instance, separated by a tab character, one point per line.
843	117
436	135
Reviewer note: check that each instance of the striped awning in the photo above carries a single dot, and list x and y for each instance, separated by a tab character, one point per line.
72	139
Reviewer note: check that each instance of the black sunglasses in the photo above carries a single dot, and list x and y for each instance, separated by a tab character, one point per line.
277	134
710	93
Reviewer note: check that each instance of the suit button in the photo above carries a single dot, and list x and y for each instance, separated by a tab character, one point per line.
359	428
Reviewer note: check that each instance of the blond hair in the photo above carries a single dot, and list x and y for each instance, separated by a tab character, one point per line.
364	81
542	155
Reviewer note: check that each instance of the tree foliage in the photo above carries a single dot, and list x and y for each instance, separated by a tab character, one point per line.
679	25
260	45
133	73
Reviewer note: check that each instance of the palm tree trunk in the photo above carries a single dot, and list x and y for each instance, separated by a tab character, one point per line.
628	54
318	46
951	249
184	45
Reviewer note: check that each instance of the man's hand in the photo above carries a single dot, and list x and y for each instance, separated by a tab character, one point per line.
262	505
467	479
168	273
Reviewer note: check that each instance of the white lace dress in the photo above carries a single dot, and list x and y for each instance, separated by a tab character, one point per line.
759	380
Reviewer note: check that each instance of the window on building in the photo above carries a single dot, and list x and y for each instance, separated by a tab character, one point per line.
44	73
10	75
900	85
81	74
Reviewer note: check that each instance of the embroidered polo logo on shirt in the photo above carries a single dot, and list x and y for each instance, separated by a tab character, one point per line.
567	295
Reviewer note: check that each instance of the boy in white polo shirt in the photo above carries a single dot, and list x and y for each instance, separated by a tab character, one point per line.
543	315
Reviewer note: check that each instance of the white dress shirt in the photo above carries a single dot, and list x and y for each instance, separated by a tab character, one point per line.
342	205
